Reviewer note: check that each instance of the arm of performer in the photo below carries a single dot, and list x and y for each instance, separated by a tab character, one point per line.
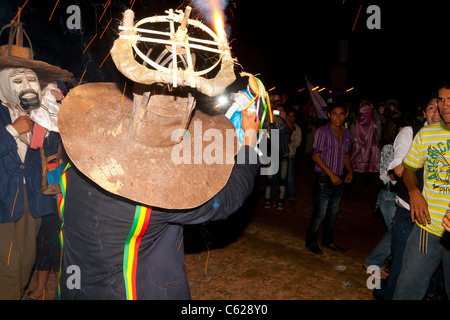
418	204
22	125
402	144
446	220
348	166
238	187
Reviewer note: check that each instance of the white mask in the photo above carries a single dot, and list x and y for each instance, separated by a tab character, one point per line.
20	87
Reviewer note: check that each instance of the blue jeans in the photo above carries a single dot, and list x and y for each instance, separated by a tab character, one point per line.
281	175
418	268
401	229
326	200
382	251
290	179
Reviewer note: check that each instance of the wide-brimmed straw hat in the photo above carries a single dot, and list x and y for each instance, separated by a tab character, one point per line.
128	146
155	148
15	55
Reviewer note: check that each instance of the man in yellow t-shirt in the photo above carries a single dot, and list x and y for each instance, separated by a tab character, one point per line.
429	243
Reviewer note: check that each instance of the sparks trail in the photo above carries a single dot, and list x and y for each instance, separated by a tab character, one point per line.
181	241
189	5
81	77
207	260
123	94
89	43
53	10
18	13
357	17
105	28
104	10
104	60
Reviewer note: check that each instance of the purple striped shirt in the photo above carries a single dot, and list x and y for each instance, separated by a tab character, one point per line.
331	150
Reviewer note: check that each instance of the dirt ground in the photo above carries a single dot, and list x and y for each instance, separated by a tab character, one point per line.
259	253
268	260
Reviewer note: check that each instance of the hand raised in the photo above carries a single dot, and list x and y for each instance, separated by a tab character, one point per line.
250	124
58	95
23	124
419	208
336	180
446	220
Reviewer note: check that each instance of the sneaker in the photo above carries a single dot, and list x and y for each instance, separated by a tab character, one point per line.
314	248
334	246
378	294
267	204
280	206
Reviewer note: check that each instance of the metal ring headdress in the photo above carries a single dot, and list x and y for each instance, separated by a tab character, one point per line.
179	44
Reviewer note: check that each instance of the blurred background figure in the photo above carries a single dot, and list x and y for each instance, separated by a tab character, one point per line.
365	154
294	142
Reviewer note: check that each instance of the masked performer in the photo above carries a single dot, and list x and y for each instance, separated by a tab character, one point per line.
139	172
21	202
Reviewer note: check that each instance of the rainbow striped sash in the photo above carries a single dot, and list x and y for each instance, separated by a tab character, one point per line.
63	185
131	249
138	229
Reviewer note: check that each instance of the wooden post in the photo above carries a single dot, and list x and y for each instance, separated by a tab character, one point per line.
19	33
138	112
184	22
44	183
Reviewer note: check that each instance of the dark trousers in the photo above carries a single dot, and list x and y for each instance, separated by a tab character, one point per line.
282	176
48	248
17	253
326	200
401	230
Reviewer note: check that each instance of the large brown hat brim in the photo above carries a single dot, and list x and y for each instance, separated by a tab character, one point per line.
46	73
94	126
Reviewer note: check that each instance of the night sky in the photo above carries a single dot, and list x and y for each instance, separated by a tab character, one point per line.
280	41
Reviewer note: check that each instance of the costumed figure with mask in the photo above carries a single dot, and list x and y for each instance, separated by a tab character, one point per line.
365	154
21	202
135	178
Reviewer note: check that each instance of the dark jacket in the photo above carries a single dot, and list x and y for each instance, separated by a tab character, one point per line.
13	170
96	227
